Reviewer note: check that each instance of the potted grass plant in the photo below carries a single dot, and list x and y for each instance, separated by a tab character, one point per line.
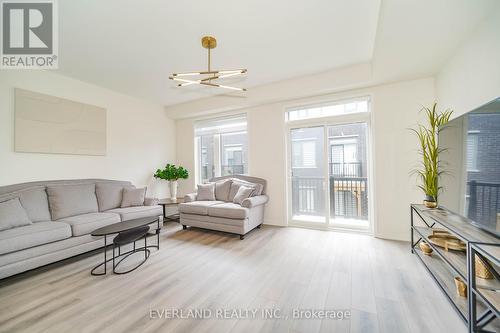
172	174
430	170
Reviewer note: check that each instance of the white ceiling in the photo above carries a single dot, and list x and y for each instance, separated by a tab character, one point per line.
415	38
132	46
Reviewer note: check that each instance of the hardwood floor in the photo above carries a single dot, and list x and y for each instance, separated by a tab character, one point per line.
385	288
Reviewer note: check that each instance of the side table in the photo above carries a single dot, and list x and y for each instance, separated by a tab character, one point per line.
169	203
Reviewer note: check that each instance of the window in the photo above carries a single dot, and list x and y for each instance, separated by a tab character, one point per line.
472	147
221	147
331	109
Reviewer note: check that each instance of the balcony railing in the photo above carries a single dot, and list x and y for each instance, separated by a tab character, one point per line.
348	197
353	169
227	170
484	201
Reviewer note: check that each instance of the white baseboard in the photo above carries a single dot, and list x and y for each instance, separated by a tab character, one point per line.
275	223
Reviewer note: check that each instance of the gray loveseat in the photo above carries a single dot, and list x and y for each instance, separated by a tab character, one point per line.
63	214
222	214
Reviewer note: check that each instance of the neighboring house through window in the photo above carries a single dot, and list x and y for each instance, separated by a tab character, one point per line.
304	153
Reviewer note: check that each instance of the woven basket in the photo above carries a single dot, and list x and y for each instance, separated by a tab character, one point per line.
481	269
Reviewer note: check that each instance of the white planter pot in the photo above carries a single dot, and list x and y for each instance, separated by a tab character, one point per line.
173	190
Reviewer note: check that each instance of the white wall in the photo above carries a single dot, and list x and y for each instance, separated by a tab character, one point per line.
140	137
471	77
395	109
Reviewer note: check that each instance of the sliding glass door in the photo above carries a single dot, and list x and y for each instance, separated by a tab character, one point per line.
308	174
329	171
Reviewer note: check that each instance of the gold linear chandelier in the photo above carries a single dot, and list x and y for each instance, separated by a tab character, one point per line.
210	75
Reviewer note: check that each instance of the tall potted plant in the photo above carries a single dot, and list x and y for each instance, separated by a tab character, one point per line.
430	169
172	174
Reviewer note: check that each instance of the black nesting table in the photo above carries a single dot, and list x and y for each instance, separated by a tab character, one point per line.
125	227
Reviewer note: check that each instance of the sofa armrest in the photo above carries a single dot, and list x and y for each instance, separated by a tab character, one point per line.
150	202
255	201
190	197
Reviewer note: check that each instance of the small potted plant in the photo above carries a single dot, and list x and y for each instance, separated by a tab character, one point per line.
430	169
172	174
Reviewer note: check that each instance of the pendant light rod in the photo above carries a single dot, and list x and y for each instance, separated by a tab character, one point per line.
209	60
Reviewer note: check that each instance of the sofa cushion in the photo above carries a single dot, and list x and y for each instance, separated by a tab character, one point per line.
71	200
36	204
228	210
213	219
35	234
12	214
86	223
222	189
133	197
197	207
129	213
206	192
109	195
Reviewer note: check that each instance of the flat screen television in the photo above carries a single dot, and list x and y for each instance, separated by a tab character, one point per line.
471	159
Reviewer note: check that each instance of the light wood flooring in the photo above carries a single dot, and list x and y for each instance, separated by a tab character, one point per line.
380	282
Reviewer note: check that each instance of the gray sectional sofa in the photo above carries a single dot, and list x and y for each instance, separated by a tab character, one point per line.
222	214
61	215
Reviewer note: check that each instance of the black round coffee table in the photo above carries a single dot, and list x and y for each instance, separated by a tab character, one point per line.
125	228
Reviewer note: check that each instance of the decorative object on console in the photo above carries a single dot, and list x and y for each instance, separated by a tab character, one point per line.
187	79
426	249
172	174
482	270
461	287
430	169
447	241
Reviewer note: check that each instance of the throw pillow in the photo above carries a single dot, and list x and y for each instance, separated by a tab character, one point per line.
236	183
34	201
206	192
133	197
242	194
12	214
71	200
222	189
109	195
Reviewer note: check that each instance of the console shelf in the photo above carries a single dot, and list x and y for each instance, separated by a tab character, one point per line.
444	265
